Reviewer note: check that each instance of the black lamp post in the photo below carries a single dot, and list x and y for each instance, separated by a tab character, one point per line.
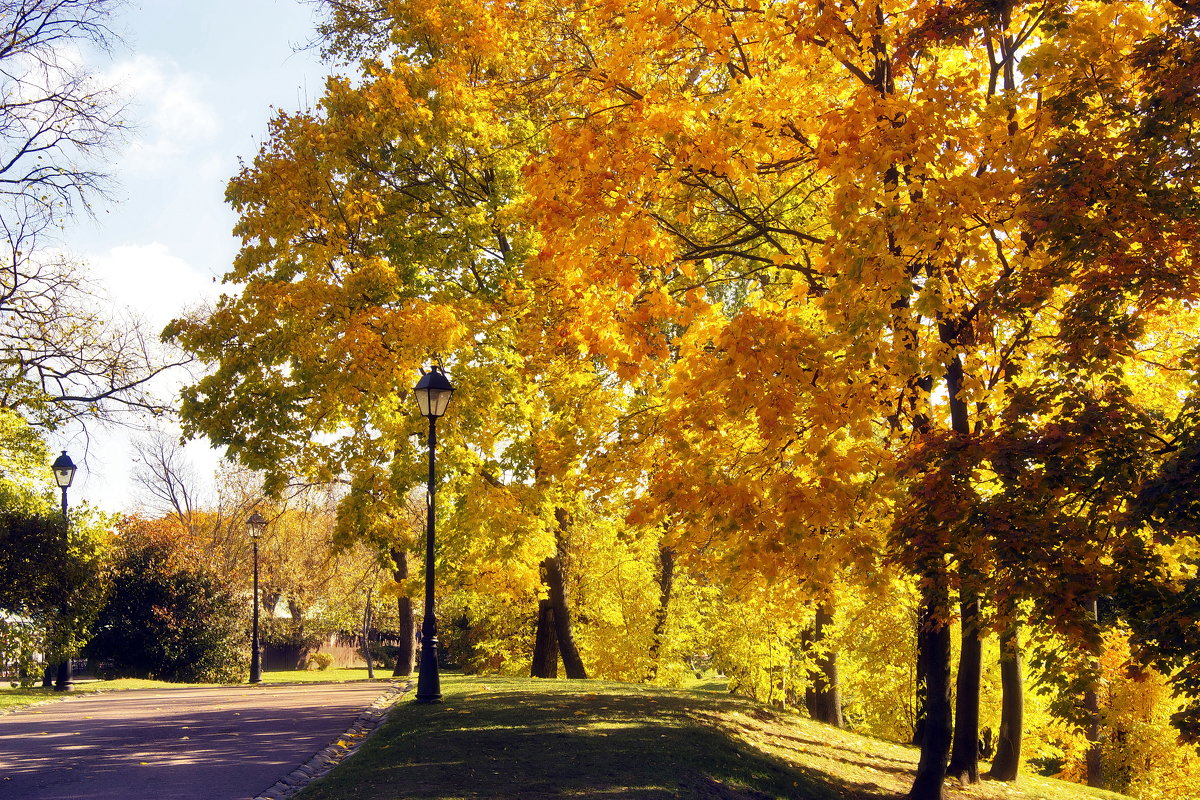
433	396
255	527
64	472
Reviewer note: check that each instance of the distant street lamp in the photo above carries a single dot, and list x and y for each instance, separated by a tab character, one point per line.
64	472
433	396
255	526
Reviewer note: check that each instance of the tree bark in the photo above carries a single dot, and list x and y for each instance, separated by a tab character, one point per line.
666	581
964	757
556	582
934	649
823	697
366	631
545	644
1012	706
921	696
406	652
1091	705
406	649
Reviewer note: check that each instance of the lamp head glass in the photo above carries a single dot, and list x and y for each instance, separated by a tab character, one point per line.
256	525
64	470
433	393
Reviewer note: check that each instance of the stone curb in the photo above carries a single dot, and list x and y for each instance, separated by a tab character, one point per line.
340	749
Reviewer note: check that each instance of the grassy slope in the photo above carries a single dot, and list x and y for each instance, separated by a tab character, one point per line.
512	738
12	698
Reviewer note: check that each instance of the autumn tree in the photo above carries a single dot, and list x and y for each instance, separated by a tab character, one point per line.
733	264
167	617
408	207
927	267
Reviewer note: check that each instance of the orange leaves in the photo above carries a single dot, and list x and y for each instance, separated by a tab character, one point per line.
720	256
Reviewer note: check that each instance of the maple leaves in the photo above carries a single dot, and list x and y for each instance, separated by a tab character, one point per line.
780	287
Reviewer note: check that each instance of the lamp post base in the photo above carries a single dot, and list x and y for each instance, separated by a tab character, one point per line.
429	684
256	666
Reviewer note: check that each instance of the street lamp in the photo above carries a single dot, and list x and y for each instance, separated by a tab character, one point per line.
64	472
433	396
255	526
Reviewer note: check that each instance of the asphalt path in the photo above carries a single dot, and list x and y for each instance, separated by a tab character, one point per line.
224	743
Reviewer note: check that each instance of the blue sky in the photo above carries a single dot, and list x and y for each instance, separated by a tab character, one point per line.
201	79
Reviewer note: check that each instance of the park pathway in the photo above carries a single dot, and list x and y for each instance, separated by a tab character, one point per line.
224	743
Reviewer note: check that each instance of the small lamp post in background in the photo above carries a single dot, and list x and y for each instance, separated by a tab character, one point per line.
64	472
433	397
255	526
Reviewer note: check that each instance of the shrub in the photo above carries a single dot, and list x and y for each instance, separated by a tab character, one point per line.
20	640
169	622
320	661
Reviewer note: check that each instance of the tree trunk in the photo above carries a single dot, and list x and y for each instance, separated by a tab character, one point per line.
556	582
545	644
406	654
1091	704
823	697
367	637
296	631
921	696
406	649
666	581
964	758
934	649
964	761
1012	706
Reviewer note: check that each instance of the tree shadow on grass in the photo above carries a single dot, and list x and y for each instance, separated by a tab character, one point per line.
531	745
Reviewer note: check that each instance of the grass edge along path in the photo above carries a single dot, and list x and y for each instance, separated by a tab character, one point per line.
14	698
534	740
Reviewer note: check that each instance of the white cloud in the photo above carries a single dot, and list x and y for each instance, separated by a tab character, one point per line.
168	112
156	286
151	281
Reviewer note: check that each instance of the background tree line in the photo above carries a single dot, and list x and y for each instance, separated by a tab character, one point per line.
162	595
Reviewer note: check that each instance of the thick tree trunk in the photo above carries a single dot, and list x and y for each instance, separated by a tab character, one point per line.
556	583
934	649
964	761
964	757
406	648
1091	705
545	644
823	697
921	696
406	651
666	581
1012	706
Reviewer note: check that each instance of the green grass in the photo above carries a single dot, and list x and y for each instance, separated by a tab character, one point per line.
533	740
325	675
12	698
